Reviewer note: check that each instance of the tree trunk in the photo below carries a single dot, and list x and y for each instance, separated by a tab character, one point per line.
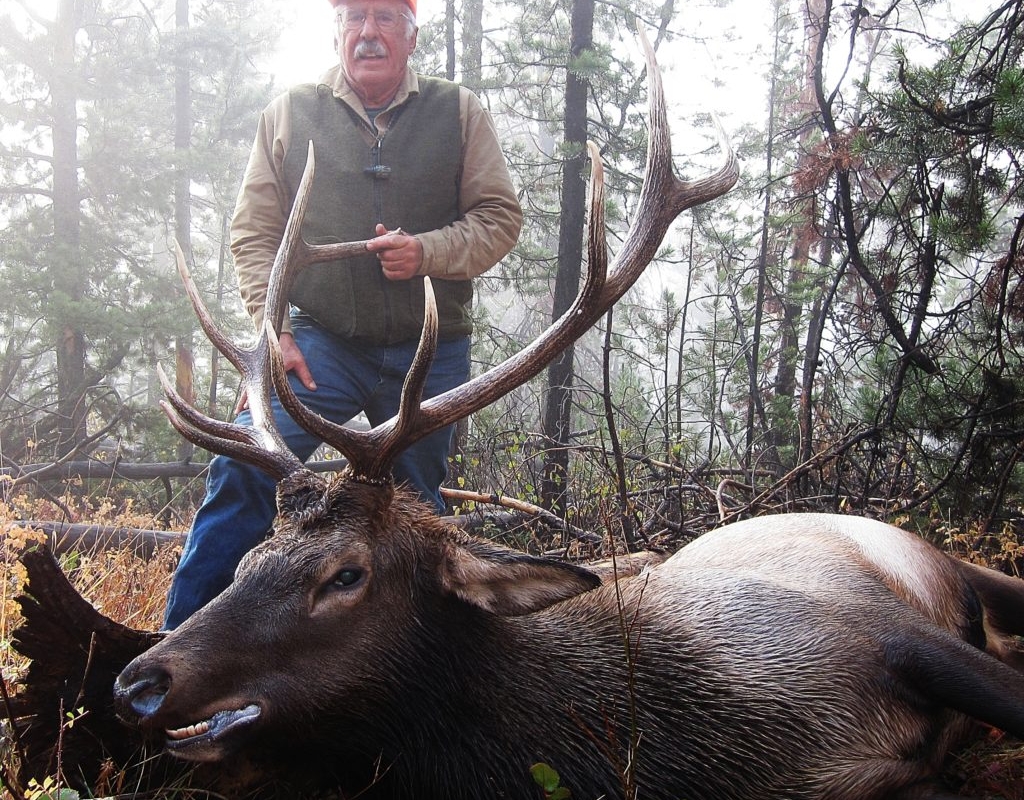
783	435
472	44
449	39
66	265
681	344
558	400
619	462
183	358
755	403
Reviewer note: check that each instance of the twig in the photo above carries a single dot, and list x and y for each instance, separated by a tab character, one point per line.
77	450
466	496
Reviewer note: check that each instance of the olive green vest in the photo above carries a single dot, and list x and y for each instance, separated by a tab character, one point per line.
418	191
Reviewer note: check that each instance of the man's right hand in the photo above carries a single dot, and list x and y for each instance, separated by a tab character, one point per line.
293	362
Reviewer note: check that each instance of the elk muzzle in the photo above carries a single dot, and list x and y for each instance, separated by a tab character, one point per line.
141	699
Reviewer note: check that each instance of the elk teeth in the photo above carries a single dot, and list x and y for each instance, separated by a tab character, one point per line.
189	730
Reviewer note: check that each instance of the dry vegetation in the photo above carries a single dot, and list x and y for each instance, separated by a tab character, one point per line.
121	586
132	591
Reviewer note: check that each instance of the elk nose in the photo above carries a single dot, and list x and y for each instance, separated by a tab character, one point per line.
140	695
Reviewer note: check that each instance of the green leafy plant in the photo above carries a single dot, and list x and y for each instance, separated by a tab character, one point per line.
549	782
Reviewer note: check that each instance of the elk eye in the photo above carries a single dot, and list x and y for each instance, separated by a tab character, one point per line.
347	577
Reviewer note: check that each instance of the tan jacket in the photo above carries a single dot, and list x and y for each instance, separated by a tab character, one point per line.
491	217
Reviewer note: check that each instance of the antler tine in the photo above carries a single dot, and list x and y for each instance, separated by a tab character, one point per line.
370	453
223	437
597	244
295	254
260	444
408	418
664	196
182	413
344	439
231	351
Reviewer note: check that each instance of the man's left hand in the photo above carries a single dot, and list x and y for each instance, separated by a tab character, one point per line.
400	255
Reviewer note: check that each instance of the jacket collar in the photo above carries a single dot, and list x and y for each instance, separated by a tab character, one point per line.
335	78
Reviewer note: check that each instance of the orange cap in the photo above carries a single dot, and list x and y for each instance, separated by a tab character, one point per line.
410	3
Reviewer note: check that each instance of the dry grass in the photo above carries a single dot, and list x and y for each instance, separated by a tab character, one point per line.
1003	550
132	591
125	588
991	767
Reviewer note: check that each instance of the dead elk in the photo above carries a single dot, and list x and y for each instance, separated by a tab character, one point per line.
425	664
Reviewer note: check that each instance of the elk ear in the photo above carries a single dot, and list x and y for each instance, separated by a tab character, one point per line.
510	583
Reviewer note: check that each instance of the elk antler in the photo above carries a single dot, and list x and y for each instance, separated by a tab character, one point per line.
662	198
259	444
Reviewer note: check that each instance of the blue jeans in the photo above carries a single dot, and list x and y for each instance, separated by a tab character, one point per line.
239	507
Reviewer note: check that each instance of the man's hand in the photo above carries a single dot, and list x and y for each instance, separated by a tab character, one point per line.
400	255
293	362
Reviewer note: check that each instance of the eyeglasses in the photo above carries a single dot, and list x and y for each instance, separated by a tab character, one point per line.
384	20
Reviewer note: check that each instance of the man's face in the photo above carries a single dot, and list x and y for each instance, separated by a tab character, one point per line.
375	39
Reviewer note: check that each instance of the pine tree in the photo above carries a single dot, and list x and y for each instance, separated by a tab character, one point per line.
86	182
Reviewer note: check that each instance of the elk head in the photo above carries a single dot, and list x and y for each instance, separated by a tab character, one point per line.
359	581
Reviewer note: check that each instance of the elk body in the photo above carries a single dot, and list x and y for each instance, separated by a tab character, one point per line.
800	656
804	657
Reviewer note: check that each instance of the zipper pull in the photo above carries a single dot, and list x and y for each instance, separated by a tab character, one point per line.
377	171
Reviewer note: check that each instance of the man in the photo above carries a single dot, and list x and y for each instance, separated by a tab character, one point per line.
412	163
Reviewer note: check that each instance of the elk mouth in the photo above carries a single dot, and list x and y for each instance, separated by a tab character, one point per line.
204	740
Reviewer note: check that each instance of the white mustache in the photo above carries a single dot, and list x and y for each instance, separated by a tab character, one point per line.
369	48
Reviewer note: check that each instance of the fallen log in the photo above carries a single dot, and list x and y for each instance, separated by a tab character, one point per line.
65	537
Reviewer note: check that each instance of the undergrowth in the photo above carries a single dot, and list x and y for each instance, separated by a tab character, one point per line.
126	588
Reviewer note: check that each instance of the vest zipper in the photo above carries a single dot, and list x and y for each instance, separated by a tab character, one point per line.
380	175
378	203
378	208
